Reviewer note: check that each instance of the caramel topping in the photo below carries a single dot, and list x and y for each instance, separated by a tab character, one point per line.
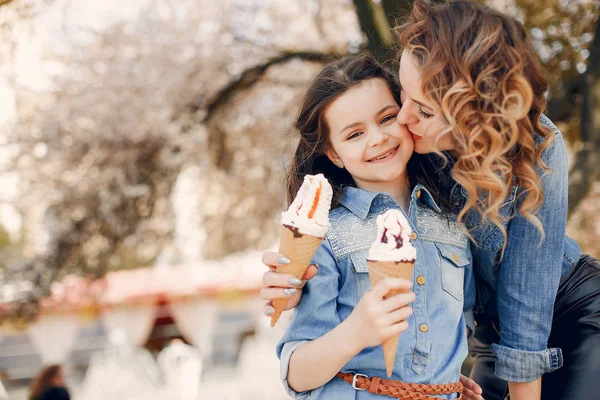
316	201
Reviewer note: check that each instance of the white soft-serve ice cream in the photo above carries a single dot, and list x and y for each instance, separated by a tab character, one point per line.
391	256
304	226
309	212
393	239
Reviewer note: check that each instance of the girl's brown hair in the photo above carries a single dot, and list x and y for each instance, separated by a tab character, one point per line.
309	158
43	381
482	74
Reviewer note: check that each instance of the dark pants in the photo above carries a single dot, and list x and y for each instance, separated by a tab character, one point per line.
575	329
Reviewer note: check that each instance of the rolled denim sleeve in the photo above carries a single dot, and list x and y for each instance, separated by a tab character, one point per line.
529	275
313	317
285	356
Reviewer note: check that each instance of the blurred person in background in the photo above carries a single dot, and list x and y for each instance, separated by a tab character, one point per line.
3	394
49	384
181	365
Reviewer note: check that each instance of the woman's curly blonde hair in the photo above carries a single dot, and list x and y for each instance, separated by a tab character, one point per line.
481	73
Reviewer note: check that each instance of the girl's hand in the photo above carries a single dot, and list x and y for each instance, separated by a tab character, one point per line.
376	319
278	286
472	390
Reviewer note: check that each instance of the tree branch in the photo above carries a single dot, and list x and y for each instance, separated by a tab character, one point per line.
586	169
565	97
252	76
396	10
375	26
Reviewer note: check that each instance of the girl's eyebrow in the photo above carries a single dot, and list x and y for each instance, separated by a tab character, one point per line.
348	127
352	125
386	108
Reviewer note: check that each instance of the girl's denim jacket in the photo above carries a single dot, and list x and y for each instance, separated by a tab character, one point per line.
435	344
518	290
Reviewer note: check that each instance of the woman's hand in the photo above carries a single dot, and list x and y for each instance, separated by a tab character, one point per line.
278	286
375	318
472	391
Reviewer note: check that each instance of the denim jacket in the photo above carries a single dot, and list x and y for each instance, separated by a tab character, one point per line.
519	289
434	346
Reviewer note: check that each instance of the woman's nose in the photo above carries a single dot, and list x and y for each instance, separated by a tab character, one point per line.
405	115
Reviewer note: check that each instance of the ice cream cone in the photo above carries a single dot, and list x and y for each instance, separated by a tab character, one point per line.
378	271
299	249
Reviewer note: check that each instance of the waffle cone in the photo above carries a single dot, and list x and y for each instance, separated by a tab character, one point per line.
300	251
378	271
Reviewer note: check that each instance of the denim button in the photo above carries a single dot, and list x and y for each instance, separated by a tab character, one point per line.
421	280
423	328
413	236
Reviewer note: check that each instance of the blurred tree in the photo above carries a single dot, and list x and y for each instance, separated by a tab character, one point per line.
128	107
136	104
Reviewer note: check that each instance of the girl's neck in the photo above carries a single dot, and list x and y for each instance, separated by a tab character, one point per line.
402	197
399	190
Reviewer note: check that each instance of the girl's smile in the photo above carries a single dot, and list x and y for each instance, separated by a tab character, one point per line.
385	156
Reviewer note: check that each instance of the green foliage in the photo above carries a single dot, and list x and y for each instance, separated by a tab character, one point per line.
562	31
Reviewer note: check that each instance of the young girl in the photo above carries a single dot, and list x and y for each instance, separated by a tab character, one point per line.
331	350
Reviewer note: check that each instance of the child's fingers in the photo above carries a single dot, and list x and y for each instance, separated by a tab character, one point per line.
272	259
310	273
395	329
386	285
468	394
400	300
472	386
273	279
399	315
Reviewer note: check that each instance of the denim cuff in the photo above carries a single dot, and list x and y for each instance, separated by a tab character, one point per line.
286	355
525	366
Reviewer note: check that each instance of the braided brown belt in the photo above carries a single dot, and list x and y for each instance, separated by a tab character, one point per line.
399	389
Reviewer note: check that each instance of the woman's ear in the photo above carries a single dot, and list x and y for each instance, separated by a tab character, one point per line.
333	157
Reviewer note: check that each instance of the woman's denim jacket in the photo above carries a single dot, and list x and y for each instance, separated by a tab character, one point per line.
434	346
520	287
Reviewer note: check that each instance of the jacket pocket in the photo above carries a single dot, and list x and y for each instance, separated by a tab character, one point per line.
360	269
453	261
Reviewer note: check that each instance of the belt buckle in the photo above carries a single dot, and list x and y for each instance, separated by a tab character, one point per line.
355	381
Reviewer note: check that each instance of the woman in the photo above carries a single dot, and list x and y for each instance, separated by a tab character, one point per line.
49	385
474	90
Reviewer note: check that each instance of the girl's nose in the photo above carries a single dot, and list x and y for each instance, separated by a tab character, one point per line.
377	138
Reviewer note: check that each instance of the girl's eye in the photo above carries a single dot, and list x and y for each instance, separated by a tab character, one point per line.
424	114
354	135
388	118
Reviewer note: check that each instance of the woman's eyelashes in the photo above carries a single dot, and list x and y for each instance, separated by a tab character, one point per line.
424	114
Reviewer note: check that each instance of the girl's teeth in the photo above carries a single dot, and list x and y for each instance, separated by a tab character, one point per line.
385	155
